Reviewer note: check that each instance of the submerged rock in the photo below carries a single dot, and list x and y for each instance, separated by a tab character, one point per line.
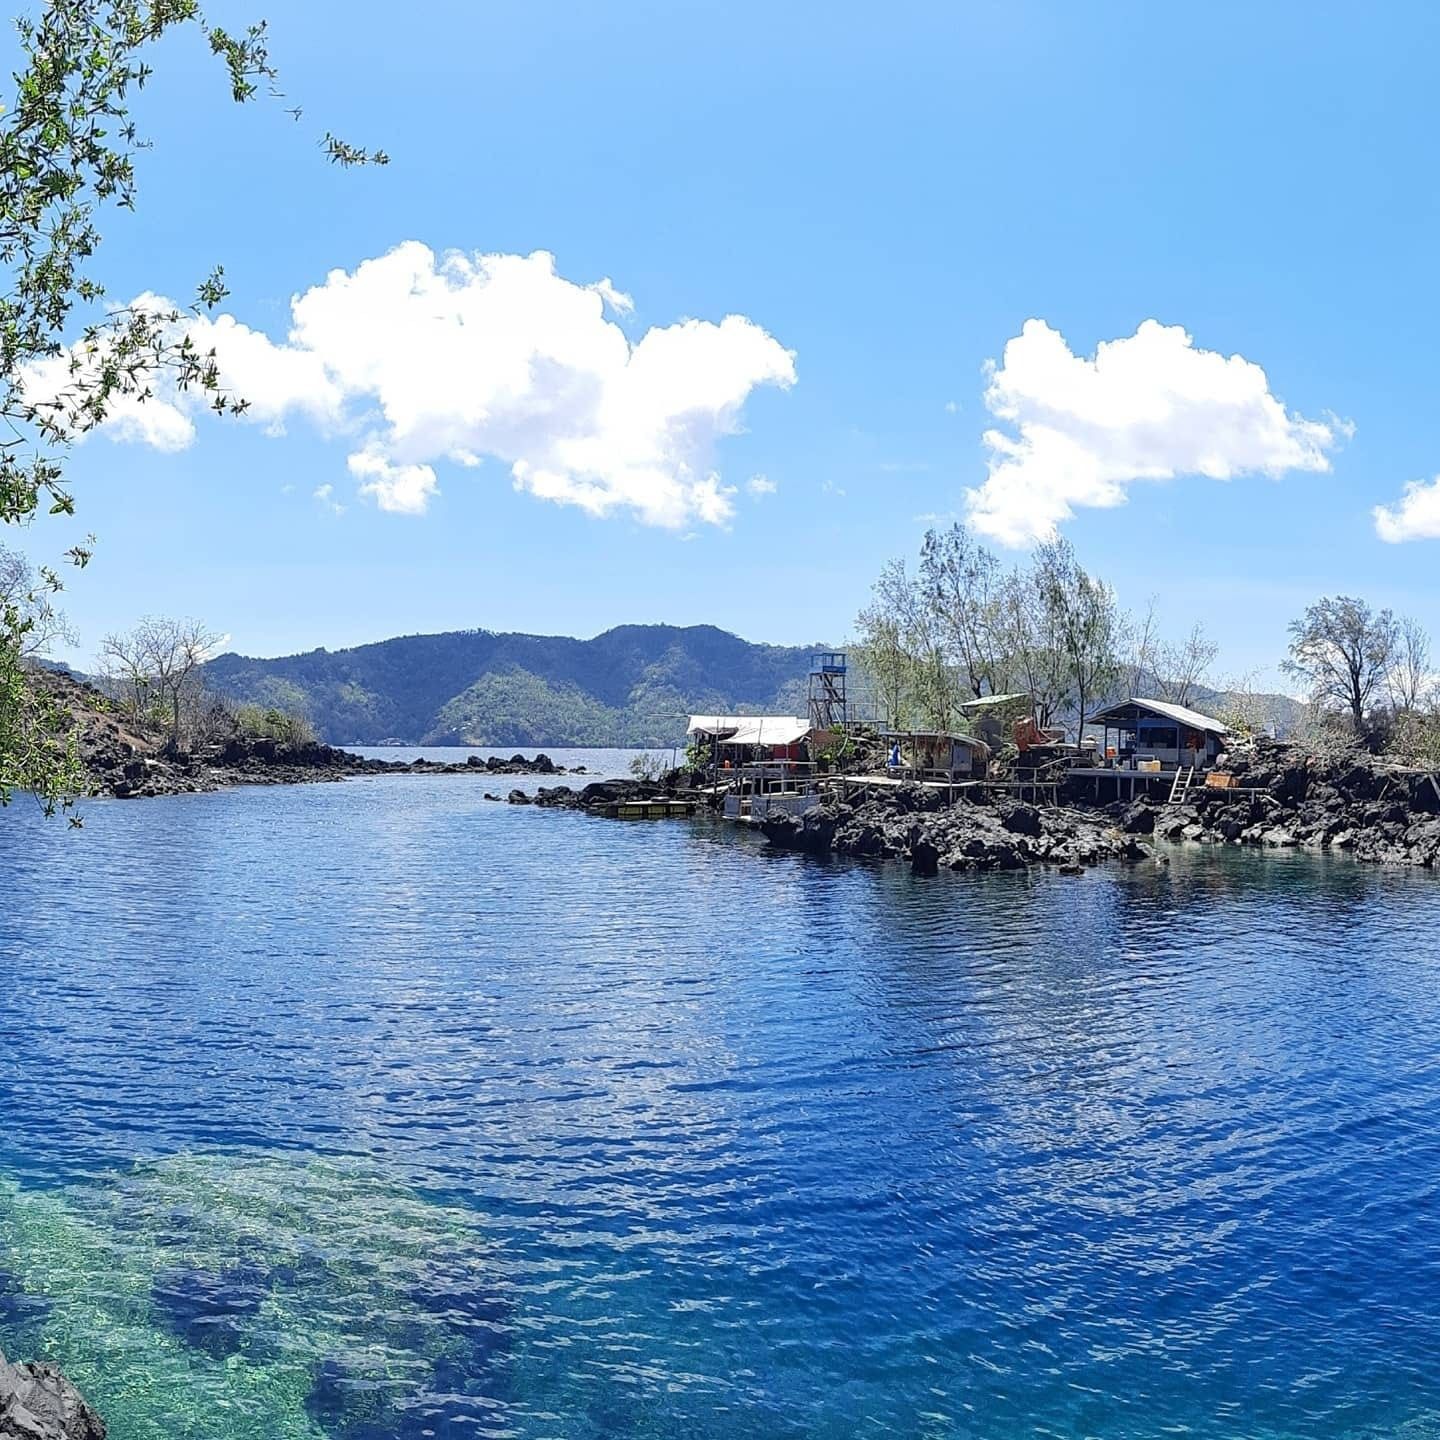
207	1308
38	1403
17	1306
389	1306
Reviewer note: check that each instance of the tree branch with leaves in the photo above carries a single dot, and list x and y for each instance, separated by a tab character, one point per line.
68	147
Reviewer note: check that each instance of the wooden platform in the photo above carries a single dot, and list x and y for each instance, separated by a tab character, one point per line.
850	783
650	809
1123	784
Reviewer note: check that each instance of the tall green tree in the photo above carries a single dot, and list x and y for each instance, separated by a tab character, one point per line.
1026	637
960	581
1084	622
884	650
1344	651
68	144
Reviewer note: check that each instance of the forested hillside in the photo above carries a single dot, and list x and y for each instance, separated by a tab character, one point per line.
633	685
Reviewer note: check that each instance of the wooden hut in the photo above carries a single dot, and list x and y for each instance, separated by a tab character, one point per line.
1152	734
938	755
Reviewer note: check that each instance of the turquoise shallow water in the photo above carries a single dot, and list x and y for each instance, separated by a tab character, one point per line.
373	1111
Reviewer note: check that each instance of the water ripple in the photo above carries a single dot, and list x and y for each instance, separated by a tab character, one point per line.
376	1111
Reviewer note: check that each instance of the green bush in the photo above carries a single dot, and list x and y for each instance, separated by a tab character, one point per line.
1415	737
257	722
648	767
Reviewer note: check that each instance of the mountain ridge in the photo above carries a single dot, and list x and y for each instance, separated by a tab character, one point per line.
629	685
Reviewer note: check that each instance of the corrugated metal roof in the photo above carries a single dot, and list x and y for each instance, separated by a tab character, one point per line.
769	730
986	701
1178	713
714	724
772	727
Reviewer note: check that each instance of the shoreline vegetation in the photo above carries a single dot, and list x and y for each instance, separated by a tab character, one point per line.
128	756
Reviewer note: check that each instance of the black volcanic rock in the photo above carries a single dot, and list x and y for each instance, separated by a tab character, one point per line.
1381	812
38	1403
965	836
129	759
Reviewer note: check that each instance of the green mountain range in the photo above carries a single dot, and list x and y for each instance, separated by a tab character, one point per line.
633	685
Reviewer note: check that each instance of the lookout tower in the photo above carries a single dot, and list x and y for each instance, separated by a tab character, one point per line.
828	707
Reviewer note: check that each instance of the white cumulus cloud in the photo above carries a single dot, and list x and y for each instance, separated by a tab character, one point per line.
401	489
275	380
1415	516
1151	406
759	485
424	360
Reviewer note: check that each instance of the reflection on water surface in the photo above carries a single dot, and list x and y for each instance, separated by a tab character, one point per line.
374	1110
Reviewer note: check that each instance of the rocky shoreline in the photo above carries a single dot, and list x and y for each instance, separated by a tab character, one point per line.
127	774
1283	798
914	825
37	1402
129	760
909	823
596	797
1278	797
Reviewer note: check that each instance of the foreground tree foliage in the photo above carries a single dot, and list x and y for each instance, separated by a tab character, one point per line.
29	594
67	151
38	751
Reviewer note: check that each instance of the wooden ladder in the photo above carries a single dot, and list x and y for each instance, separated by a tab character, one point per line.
1181	788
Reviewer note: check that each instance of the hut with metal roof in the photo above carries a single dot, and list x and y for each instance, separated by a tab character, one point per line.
753	737
1146	731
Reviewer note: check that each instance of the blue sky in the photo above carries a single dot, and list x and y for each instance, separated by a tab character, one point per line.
889	196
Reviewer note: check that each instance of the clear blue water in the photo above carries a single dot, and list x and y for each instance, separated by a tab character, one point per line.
374	1110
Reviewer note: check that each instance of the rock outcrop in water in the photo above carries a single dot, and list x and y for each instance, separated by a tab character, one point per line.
38	1403
911	823
1376	811
127	774
596	797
